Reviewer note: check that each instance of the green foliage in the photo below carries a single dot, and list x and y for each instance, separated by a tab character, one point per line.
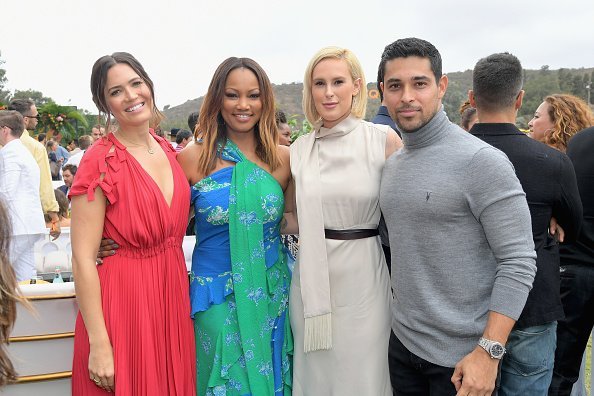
536	87
61	119
299	126
36	96
4	95
92	119
538	84
459	84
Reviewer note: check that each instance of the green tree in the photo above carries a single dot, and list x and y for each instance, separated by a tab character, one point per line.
536	87
297	130
589	86
35	96
564	77
4	95
92	120
577	87
64	120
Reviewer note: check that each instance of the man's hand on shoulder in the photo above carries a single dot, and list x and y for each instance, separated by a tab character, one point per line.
475	374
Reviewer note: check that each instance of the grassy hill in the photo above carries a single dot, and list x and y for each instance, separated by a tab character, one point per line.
538	84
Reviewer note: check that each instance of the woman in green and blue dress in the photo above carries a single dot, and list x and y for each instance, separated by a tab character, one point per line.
239	283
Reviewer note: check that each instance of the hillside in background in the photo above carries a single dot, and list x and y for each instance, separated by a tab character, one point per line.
537	84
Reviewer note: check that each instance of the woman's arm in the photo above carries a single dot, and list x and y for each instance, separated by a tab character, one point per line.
86	230
393	142
289	223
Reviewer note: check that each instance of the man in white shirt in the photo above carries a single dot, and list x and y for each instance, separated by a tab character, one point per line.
19	189
46	190
84	142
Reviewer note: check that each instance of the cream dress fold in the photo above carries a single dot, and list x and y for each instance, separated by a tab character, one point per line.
350	169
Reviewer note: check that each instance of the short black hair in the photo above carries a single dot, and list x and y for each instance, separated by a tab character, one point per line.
182	134
193	120
380	79
497	81
406	47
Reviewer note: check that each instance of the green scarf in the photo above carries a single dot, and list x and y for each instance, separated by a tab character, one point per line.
246	216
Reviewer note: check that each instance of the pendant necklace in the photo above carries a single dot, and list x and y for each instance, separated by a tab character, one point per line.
148	148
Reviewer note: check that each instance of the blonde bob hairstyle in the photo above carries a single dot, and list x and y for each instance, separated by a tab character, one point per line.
359	104
569	115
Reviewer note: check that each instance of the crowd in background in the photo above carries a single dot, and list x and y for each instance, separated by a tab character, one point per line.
488	228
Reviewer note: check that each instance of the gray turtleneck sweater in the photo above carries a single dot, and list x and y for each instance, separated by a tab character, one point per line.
461	240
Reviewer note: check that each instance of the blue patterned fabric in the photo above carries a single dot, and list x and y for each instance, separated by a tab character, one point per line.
222	356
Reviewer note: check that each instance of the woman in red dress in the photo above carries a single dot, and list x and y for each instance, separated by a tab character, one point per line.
134	335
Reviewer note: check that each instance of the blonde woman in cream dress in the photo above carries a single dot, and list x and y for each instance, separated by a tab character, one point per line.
340	293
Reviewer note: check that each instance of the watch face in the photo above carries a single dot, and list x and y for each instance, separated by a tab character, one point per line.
497	351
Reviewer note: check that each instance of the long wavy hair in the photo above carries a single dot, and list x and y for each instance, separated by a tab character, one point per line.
99	80
569	115
8	297
211	129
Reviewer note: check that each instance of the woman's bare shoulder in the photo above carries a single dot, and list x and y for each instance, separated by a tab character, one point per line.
188	159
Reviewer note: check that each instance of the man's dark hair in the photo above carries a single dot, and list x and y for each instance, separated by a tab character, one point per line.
497	81
193	120
380	79
281	117
23	106
182	134
41	137
13	120
84	142
411	46
70	167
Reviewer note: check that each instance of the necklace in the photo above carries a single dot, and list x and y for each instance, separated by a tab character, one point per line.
148	148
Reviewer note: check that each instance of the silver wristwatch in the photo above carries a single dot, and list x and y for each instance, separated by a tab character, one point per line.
495	349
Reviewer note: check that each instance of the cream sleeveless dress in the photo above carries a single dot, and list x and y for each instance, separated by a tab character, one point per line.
350	159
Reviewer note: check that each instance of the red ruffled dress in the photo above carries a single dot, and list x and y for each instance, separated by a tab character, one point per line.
144	287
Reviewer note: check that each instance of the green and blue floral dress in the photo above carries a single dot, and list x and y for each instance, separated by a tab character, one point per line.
240	282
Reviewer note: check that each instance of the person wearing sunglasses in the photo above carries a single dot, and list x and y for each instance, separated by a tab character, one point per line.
49	204
19	188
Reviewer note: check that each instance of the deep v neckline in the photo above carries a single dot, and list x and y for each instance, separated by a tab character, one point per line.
147	174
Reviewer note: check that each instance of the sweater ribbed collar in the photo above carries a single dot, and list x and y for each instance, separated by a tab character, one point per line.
436	129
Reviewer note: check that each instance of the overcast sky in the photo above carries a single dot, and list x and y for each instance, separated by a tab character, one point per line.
50	46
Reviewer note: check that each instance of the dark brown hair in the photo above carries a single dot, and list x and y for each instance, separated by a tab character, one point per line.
13	120
99	79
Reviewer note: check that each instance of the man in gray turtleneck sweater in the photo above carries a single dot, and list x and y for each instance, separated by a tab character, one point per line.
463	257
